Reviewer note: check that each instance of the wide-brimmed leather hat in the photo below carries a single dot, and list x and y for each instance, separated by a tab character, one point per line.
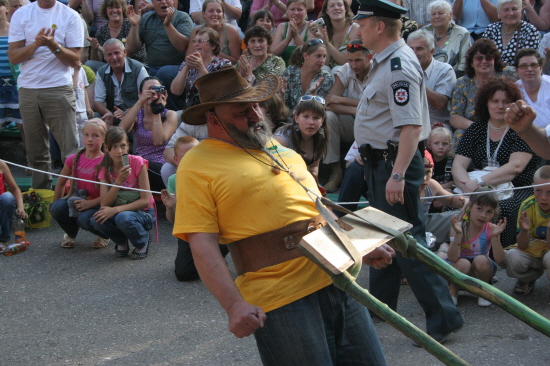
227	86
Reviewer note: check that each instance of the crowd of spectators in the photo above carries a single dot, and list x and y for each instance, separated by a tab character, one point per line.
141	61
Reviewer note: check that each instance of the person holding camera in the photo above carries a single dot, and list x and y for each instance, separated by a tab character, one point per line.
117	82
153	126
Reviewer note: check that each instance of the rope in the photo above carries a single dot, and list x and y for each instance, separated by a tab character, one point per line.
458	194
81	179
309	191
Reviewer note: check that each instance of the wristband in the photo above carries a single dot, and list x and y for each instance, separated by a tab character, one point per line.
157	123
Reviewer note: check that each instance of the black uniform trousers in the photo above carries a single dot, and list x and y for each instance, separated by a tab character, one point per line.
430	289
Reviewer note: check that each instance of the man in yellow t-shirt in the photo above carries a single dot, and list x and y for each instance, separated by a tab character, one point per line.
238	184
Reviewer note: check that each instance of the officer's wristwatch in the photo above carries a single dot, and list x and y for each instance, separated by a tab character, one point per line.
397	177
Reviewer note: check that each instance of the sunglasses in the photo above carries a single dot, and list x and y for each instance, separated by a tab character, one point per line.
199	41
355	46
317	98
526	66
481	58
313	42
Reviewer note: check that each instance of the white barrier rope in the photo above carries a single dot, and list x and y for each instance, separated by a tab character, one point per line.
459	194
339	203
81	179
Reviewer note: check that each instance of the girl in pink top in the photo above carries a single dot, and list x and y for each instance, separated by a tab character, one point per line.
472	237
125	215
73	213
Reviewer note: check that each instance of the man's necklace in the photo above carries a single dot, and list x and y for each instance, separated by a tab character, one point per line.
275	168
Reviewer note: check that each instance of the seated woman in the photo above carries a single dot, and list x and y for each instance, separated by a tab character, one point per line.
205	59
259	63
306	75
534	87
264	18
482	63
511	33
295	33
230	41
490	145
153	126
338	31
308	134
118	26
451	41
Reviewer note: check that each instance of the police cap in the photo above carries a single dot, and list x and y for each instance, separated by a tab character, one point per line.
379	8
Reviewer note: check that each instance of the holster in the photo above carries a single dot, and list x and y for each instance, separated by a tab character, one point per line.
273	247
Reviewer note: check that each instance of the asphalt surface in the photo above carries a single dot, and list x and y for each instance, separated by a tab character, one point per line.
84	306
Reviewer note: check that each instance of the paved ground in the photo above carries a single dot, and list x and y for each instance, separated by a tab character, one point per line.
86	307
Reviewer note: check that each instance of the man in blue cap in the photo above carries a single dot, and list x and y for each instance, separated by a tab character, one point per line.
391	125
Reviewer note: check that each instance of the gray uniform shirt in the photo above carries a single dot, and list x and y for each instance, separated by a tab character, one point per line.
441	78
395	95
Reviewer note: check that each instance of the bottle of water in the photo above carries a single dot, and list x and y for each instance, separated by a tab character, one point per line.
19	230
16	248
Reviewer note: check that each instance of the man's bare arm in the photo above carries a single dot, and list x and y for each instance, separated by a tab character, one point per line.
244	318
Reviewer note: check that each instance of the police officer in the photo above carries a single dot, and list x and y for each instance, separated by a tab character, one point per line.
391	125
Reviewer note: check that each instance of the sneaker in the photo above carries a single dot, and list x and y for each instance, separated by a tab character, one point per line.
455	300
524	288
482	302
100	242
67	242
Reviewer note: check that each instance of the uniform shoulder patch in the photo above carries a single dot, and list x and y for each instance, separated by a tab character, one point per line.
395	63
401	92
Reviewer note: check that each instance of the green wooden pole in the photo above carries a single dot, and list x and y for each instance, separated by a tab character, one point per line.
485	290
347	283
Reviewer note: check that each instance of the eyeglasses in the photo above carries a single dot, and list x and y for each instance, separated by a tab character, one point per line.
481	58
313	42
526	66
356	46
199	40
317	98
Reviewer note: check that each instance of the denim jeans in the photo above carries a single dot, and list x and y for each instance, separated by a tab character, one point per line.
328	327
127	225
7	210
70	225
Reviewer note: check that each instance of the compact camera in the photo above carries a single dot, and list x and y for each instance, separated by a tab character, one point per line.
318	23
158	88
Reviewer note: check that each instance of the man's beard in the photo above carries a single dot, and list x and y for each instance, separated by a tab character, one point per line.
255	140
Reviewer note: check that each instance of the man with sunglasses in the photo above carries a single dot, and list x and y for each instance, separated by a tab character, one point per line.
391	125
342	100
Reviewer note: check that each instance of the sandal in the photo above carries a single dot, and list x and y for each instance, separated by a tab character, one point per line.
67	242
121	253
100	242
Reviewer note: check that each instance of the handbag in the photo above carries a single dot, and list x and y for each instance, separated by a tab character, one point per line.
126	197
